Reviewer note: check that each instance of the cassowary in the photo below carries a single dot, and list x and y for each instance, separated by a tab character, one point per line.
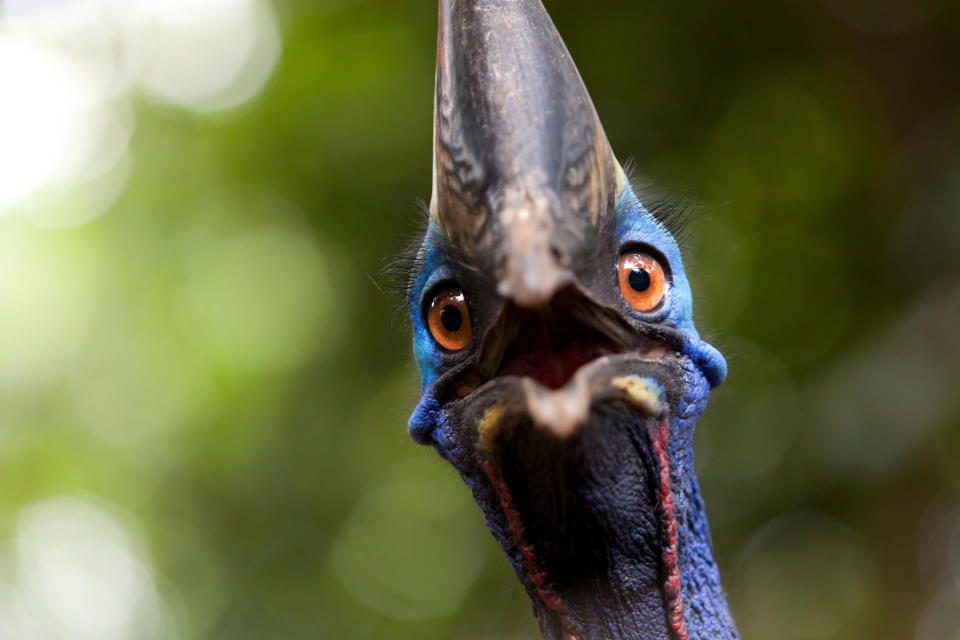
561	371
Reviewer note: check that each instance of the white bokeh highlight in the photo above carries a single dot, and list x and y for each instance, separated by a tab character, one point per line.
69	67
218	58
73	570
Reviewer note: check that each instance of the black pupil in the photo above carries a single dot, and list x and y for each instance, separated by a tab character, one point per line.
639	280
451	318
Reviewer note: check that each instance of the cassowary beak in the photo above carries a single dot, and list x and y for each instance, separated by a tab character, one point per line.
523	173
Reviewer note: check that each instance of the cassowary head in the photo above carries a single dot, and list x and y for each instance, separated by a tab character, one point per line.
561	370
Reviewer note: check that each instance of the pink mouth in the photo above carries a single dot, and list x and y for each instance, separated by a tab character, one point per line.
553	366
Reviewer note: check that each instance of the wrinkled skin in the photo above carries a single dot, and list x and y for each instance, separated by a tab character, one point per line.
569	413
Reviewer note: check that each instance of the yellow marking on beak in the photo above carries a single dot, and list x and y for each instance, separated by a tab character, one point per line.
489	426
642	392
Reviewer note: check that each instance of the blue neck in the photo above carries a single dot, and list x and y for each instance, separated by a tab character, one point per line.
706	611
586	522
597	563
628	599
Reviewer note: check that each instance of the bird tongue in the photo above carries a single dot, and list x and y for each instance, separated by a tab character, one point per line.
553	366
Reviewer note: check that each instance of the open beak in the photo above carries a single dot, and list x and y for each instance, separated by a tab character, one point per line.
525	185
550	366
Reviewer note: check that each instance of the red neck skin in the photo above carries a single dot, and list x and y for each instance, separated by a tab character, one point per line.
659	434
531	562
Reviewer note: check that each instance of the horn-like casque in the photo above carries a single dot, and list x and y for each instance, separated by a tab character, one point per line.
522	167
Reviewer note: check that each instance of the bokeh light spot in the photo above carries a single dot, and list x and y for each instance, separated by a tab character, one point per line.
889	391
205	55
67	67
45	306
260	299
83	568
136	384
412	547
47	124
781	146
803	575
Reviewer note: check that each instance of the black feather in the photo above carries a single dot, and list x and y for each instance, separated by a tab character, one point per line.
675	212
400	269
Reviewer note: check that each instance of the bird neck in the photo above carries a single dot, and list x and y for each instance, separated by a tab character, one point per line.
628	570
635	596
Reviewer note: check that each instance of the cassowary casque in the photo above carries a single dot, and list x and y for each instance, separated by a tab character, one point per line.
562	374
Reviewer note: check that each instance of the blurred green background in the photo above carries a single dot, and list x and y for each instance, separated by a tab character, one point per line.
204	382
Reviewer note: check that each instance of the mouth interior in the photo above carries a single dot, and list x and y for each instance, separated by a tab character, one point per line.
550	349
549	345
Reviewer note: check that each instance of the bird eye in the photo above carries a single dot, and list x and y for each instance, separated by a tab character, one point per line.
449	319
643	283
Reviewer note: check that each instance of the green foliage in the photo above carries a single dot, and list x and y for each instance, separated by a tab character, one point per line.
215	363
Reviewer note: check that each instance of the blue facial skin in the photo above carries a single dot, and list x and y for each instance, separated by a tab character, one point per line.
635	226
706	613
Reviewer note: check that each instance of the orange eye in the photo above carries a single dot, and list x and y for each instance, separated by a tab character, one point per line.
642	280
449	319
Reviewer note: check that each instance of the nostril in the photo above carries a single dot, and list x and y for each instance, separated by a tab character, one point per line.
558	255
